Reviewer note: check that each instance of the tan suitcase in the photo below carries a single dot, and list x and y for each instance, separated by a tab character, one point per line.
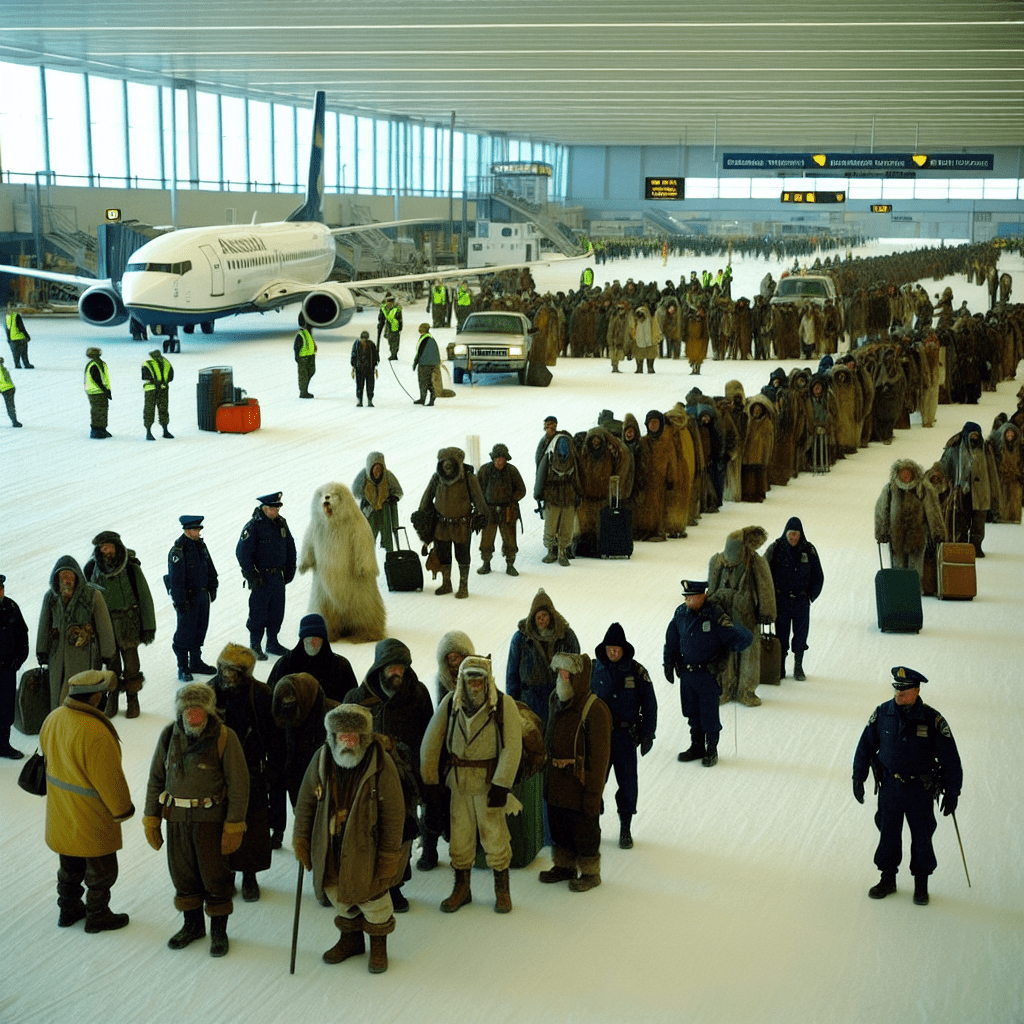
958	579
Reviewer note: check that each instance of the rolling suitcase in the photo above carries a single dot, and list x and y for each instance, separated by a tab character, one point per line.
957	574
898	599
771	658
402	568
240	417
615	526
33	701
526	829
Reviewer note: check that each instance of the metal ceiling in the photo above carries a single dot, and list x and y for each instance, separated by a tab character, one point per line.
915	74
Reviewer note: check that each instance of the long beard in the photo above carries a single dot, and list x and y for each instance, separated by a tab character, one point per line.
193	730
474	698
563	687
348	758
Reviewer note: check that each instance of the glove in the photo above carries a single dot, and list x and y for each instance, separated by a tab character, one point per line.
479	522
353	373
153	835
949	803
645	745
213	595
231	837
148	636
858	791
497	795
668	672
301	848
254	579
110	397
376	374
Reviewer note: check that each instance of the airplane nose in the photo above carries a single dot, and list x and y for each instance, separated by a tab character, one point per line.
144	289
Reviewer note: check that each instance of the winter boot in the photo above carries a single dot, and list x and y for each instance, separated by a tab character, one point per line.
277	838
463	590
168	434
485	568
750	699
196	664
590	874
276	648
798	668
421	400
428	855
625	836
257	649
111	709
563	558
431	402
782	668
886	886
71	914
379	944
184	676
639	366
359	404
351	942
502	899
149	434
446	581
650	366
461	894
133	710
219	935
696	749
193	929
510	567
101	919
920	891
710	758
551	556
399	902
250	887
564	868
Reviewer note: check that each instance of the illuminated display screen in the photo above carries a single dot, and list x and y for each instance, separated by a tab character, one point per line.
881	207
814	197
664	188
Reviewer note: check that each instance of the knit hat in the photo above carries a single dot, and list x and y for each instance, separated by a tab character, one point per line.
500	451
312	625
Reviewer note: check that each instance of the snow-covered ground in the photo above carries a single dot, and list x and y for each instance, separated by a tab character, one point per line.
745	897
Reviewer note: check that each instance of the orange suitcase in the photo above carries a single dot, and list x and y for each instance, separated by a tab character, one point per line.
957	576
239	417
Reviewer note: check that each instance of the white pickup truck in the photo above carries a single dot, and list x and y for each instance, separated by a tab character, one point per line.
798	288
491	343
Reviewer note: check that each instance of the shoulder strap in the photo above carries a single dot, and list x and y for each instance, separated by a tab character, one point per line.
222	741
583	719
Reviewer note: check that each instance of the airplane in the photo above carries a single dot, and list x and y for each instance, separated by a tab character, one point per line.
195	276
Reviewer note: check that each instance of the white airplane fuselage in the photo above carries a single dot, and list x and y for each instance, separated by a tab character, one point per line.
201	274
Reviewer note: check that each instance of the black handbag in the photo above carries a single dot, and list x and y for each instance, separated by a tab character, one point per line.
33	775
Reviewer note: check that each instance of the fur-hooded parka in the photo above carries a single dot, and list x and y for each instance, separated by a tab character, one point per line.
907	515
603	456
373	494
660	469
453	642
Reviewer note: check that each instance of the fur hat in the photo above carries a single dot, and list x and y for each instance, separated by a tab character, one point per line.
348	718
106	537
93	353
733	548
91	681
500	451
240	658
195	695
574	663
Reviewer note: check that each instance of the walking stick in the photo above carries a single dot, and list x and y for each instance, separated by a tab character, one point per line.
735	731
960	841
295	923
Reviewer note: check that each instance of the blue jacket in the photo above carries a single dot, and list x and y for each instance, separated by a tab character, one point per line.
626	688
796	571
698	637
266	544
190	570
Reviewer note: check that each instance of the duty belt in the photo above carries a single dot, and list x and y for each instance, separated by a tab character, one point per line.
625	725
461	762
276	569
183	801
702	667
905	778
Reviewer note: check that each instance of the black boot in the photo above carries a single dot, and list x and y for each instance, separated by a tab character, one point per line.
428	856
710	758
168	434
274	647
219	935
798	667
920	890
696	749
782	668
192	929
250	887
886	886
112	706
257	649
625	836
196	664
149	434
399	902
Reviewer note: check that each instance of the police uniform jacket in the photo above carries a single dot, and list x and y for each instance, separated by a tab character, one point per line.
266	545
796	571
695	638
190	569
626	688
909	742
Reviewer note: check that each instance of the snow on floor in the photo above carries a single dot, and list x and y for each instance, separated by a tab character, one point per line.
744	899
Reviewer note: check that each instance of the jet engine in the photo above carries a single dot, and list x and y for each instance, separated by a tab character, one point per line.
328	308
101	306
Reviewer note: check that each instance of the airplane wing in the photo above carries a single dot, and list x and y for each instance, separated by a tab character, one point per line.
52	275
433	275
356	228
283	293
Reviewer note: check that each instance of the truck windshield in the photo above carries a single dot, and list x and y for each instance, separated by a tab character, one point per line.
493	323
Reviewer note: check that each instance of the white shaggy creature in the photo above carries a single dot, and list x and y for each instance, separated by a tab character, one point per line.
338	547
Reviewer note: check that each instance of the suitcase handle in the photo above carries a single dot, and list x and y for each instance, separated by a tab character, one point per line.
407	547
613	496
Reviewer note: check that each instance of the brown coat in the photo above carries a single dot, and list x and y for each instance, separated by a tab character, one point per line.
454	500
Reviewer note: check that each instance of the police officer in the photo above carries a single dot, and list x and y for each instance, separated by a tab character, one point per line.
305	357
625	686
192	583
157	374
700	634
266	556
97	389
909	747
390	322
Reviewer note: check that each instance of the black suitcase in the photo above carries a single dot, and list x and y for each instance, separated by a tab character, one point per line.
615	526
898	599
402	567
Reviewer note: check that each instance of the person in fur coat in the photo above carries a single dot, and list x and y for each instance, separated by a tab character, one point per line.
620	329
908	517
1006	447
758	441
848	423
969	464
659	461
348	833
483	748
670	323
646	337
682	502
602	457
557	485
338	548
378	492
577	741
697	336
740	583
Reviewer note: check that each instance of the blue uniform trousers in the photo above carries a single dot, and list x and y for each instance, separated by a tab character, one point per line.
794	613
698	697
896	801
266	607
623	761
192	626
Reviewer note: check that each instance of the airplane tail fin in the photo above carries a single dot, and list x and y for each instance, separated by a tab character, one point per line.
313	207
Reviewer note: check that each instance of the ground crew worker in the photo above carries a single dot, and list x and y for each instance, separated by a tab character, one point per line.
17	337
97	389
305	356
439	304
463	304
157	374
7	389
426	359
390	322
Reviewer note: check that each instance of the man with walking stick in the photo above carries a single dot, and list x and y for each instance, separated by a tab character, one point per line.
913	755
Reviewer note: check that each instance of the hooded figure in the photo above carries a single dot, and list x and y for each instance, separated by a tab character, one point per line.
908	517
626	688
602	458
670	323
557	485
660	470
348	832
378	492
244	705
1006	448
577	741
732	409
118	573
646	337
313	654
537	639
74	632
740	582
798	579
682	502
758	442
969	464
478	731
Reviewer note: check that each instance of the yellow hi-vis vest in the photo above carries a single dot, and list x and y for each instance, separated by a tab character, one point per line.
308	344
438	296
391	315
159	372
6	384
91	387
15	332
464	297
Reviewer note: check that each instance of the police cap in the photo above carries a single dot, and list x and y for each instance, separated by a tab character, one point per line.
904	678
693	587
271	500
191	522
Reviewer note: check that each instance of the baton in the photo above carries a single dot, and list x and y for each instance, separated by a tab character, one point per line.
960	841
295	923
